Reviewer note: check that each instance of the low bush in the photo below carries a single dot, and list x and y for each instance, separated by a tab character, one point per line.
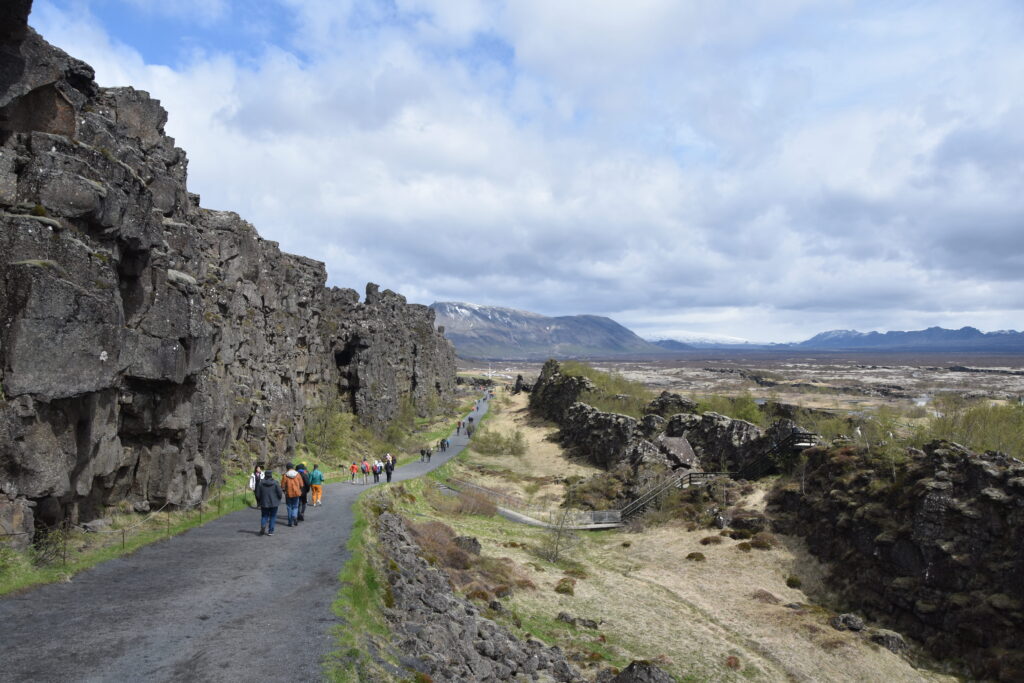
744	546
794	581
696	557
763	541
764	596
566	586
711	540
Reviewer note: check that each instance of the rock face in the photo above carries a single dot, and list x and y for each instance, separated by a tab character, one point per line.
142	337
720	442
554	392
937	553
443	636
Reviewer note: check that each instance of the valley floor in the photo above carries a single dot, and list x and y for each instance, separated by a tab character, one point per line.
724	618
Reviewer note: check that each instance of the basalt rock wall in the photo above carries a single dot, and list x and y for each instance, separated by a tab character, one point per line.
444	637
932	546
144	338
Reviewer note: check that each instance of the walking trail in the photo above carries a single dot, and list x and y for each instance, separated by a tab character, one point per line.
217	603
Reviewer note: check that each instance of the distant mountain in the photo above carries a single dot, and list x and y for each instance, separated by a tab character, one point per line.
931	339
692	340
671	344
490	332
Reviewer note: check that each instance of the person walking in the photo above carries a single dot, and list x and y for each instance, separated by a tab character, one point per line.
429	453
254	482
316	484
389	467
269	495
291	484
366	471
304	498
354	469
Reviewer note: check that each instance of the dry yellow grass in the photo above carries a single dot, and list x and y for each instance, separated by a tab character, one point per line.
544	459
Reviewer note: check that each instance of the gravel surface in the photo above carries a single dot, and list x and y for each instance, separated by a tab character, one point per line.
217	603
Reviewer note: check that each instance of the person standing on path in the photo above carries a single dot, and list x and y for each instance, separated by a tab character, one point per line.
316	484
389	467
304	499
269	496
366	471
354	469
254	482
291	484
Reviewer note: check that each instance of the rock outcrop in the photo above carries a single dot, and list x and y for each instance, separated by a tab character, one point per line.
438	634
144	338
931	545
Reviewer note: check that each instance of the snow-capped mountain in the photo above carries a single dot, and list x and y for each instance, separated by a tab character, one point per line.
509	334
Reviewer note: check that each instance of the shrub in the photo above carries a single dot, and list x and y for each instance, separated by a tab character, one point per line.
793	581
733	662
763	541
566	586
744	546
576	573
711	540
696	557
740	534
764	596
476	503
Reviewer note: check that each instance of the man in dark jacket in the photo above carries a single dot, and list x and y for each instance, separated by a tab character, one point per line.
269	493
304	498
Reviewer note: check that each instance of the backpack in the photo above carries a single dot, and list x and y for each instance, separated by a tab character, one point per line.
366	467
305	480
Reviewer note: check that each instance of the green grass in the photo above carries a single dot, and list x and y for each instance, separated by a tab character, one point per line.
359	605
612	392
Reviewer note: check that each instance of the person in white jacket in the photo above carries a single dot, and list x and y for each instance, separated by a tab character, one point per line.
254	480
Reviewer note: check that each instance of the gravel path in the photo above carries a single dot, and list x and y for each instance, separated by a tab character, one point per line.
217	603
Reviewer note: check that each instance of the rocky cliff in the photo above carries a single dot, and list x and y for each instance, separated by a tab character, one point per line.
637	452
142	337
444	637
931	543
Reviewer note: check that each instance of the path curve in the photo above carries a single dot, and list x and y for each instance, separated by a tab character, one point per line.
216	603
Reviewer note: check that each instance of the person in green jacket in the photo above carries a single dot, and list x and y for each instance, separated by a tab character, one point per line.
316	483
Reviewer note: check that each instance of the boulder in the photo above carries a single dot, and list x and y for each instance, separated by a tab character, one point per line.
468	543
669	404
843	622
643	672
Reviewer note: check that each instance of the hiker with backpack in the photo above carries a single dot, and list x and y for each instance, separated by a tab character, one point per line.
316	484
254	482
389	467
291	484
377	466
304	498
354	469
268	494
366	471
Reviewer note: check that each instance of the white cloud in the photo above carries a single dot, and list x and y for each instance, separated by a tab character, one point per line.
769	168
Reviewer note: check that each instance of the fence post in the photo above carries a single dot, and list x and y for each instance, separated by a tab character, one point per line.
122	539
67	530
167	516
200	512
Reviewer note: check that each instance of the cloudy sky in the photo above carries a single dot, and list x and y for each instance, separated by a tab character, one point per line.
764	170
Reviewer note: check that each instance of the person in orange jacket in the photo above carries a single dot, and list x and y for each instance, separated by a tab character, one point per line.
354	469
291	484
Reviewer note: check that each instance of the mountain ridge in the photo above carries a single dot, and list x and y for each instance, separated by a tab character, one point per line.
495	332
